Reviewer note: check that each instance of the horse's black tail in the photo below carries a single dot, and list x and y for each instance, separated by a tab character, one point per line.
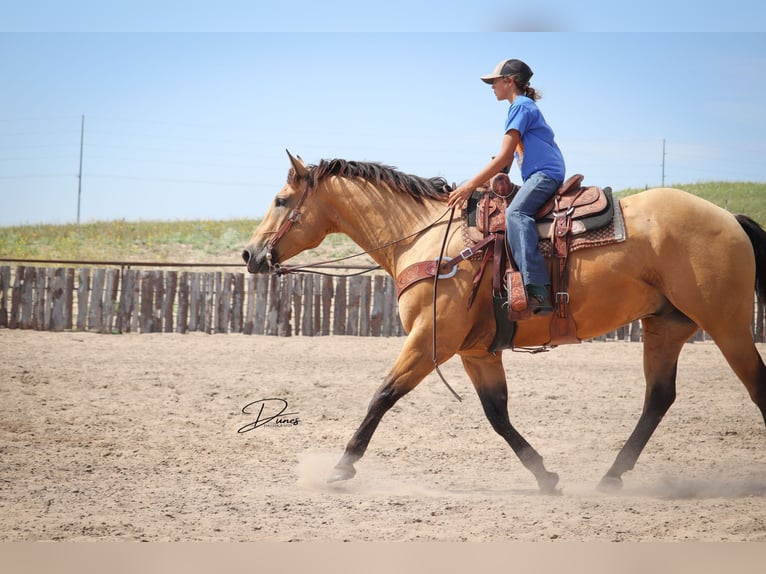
758	238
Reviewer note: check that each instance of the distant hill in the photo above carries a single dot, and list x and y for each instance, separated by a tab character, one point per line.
222	241
737	197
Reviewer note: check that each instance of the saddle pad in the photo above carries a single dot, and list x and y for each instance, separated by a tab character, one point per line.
612	233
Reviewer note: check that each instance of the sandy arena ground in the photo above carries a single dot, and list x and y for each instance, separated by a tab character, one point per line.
135	437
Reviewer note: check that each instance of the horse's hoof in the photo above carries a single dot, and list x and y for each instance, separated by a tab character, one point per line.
342	473
610	484
548	482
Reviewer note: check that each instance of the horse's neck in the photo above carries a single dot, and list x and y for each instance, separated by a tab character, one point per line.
375	216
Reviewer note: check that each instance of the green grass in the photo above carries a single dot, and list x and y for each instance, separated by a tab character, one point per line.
153	241
222	241
736	197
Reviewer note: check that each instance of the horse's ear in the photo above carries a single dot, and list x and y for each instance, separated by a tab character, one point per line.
298	165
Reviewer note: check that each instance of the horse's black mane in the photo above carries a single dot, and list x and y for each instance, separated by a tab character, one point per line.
417	187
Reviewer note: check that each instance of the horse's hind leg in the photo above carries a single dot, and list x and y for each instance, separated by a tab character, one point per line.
664	337
488	377
743	357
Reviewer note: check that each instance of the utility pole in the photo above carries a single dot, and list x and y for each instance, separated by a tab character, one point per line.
79	173
663	162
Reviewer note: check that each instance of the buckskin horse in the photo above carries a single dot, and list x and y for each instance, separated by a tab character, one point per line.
684	265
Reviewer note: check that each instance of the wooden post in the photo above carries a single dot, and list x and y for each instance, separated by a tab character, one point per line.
209	290
365	297
228	300
44	292
69	299
41	319
237	302
159	294
307	321
95	312
388	311
13	321
328	289
220	306
182	319
83	288
226	294
339	321
262	284
125	308
135	316
296	298
59	299
194	301
110	299
376	313
44	299
249	318
284	310
5	284
272	313
168	298
147	293
28	297
354	299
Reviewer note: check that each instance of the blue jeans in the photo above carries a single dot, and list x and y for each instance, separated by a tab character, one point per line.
521	229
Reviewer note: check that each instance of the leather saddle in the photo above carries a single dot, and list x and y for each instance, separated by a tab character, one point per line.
589	207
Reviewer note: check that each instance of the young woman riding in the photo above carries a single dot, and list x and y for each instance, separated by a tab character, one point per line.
529	139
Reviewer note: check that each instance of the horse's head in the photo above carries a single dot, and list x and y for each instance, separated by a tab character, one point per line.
288	227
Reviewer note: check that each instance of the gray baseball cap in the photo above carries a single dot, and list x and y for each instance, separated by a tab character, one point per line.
509	68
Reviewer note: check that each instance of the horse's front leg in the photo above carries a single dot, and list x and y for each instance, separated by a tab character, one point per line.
410	368
385	397
488	378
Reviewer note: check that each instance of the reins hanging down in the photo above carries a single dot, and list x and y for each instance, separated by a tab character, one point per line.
436	283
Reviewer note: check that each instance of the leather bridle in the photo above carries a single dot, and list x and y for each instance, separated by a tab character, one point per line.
292	217
295	215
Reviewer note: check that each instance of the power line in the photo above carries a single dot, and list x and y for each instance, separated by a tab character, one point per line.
175	180
38	176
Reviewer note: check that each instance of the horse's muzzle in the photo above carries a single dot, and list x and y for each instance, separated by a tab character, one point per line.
257	260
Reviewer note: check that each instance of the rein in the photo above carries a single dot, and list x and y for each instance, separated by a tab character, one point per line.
285	269
295	215
436	282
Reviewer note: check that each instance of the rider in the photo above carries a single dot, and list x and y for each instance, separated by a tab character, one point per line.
530	140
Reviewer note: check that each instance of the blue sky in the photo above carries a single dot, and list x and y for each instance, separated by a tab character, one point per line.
188	117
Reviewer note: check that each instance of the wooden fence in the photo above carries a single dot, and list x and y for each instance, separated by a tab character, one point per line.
120	300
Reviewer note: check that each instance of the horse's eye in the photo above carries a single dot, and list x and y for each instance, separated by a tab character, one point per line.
280	202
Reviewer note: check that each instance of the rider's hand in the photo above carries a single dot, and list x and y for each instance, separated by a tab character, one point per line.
459	195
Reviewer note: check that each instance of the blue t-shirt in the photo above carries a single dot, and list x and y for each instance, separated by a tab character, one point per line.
540	150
